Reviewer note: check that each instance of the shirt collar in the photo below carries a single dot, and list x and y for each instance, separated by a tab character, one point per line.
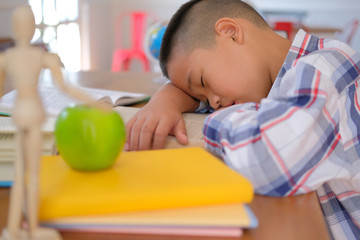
302	45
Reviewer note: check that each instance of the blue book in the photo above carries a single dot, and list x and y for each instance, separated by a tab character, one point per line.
5	184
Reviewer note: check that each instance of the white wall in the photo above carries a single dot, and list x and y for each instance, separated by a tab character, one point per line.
98	23
6	8
310	5
98	17
320	13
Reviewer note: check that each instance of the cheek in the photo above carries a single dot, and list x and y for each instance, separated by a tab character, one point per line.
225	86
239	85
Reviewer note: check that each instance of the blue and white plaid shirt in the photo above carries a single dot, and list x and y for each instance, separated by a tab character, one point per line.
305	135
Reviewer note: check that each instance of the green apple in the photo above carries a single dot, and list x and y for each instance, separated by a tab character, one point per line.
88	138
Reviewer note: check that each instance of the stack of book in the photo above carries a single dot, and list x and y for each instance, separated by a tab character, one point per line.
8	146
54	101
185	191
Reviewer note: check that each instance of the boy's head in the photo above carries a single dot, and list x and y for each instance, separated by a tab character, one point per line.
192	25
209	46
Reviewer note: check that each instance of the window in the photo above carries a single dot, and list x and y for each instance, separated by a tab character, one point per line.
57	26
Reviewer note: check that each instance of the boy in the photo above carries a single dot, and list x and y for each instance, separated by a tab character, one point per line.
289	112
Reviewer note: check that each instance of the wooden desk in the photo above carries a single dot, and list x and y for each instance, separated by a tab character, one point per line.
290	218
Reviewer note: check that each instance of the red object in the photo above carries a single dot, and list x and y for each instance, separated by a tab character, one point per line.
284	26
122	57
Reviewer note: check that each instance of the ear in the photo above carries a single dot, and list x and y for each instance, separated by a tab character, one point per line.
229	28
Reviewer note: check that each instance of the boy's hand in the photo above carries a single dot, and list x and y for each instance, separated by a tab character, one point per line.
149	128
162	116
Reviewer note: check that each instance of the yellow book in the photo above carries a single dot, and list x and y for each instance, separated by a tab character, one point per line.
143	180
227	215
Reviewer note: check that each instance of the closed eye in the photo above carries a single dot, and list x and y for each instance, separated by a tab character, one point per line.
202	84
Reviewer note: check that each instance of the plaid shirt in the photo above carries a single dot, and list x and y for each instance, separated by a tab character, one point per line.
305	135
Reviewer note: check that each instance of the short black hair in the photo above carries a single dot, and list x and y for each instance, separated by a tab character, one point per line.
193	23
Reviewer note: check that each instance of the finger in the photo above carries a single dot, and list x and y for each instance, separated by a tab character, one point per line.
126	147
135	134
146	134
129	124
180	132
159	137
130	131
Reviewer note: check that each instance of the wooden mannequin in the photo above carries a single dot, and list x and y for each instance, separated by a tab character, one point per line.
23	64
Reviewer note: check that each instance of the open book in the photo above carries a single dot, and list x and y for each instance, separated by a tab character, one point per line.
193	122
55	100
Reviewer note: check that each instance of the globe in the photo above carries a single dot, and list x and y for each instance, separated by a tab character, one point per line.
153	41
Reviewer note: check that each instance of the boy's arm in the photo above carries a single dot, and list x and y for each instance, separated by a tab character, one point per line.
268	147
288	145
160	117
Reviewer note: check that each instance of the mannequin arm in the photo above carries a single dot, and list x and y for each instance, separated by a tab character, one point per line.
52	61
2	73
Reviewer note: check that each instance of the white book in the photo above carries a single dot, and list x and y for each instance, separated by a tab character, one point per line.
54	100
8	146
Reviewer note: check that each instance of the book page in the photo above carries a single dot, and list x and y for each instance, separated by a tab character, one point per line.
7	172
127	101
54	100
7	125
7	145
8	150
193	123
8	131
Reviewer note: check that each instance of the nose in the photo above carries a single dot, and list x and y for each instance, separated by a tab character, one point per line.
214	101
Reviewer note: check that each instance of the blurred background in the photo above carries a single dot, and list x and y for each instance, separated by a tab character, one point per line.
124	35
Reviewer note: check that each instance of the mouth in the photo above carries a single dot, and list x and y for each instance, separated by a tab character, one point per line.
230	104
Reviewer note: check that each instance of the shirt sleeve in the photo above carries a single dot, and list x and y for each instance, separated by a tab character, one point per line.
204	108
281	145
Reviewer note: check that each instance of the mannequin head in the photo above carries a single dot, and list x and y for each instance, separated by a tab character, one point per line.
23	21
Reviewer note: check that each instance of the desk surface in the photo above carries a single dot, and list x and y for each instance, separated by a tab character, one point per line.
292	218
289	218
